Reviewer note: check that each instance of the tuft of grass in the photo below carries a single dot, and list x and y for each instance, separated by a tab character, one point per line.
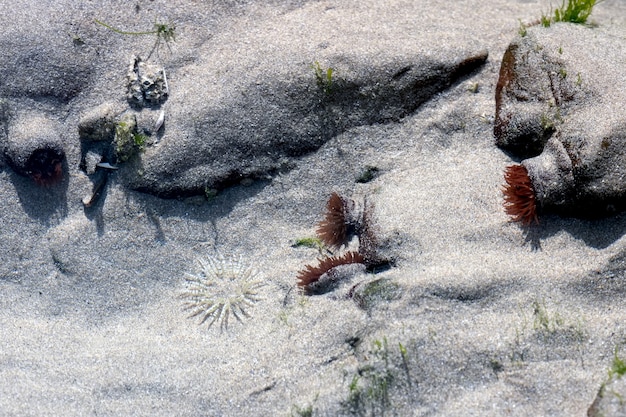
544	321
305	411
323	77
302	412
545	21
573	11
576	11
405	361
473	87
618	367
210	193
368	174
523	29
309	242
140	140
370	389
163	31
76	39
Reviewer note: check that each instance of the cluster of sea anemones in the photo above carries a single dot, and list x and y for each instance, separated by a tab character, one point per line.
344	219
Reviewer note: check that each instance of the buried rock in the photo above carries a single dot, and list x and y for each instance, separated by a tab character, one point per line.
558	104
256	104
265	127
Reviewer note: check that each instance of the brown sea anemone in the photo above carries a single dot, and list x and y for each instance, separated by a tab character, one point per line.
519	195
368	239
311	274
334	228
45	166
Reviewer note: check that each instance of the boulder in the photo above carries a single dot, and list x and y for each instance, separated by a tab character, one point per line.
559	103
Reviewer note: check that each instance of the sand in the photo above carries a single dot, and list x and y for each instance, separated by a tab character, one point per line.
477	316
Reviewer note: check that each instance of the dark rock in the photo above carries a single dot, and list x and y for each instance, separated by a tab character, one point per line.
108	133
541	80
98	124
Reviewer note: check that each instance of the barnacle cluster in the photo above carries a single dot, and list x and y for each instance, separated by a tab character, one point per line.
224	286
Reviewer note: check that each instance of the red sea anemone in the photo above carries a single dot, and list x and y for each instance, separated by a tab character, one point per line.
519	195
333	229
311	274
45	166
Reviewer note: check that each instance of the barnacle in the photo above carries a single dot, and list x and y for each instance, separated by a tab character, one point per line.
225	286
311	274
519	195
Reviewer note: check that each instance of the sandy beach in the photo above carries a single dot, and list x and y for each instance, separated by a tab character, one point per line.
466	314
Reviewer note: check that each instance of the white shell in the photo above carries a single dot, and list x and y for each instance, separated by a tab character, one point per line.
105	165
159	121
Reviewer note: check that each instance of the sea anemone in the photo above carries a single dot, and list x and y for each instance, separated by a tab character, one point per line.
368	237
333	229
34	149
312	274
45	166
223	287
519	196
